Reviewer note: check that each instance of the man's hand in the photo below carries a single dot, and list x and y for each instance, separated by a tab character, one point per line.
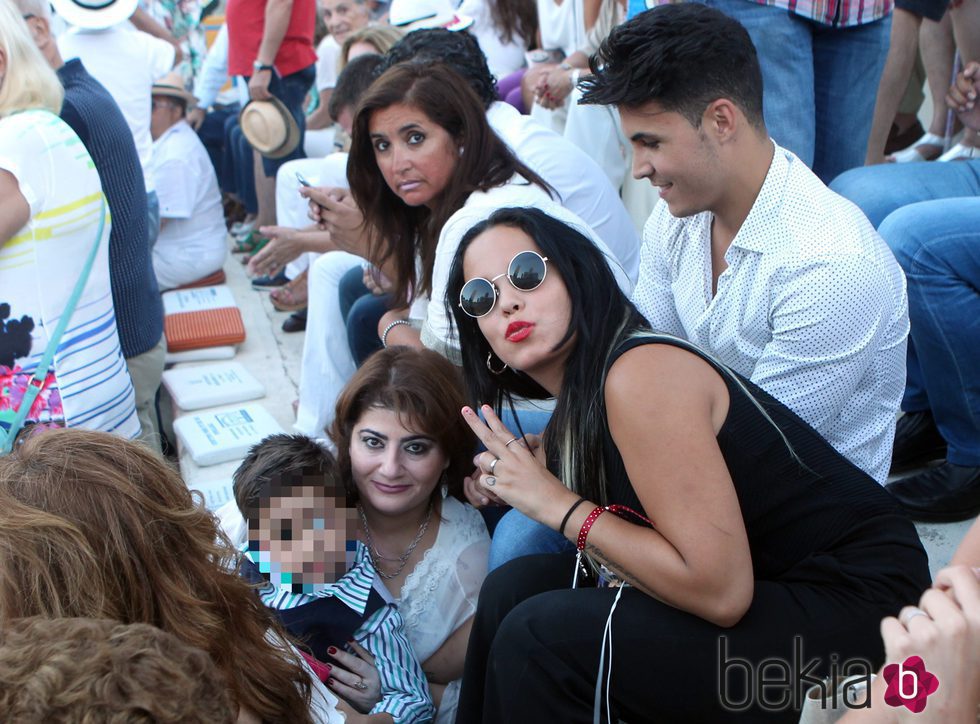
258	85
195	117
962	95
284	246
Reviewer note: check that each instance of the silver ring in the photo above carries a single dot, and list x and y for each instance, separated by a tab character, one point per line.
360	685
494	465
513	439
908	616
490	481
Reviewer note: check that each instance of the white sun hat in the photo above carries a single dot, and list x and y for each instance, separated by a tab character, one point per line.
94	14
409	15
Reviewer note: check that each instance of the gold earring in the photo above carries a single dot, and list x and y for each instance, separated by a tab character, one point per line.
492	370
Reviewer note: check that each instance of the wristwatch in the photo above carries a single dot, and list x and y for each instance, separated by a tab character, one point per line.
259	66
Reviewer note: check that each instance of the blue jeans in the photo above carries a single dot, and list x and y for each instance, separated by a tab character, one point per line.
362	311
238	167
929	213
820	82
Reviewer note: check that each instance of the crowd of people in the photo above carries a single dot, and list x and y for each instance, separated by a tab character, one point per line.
617	359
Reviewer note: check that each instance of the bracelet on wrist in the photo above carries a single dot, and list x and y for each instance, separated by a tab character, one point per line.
573	79
583	533
564	521
391	326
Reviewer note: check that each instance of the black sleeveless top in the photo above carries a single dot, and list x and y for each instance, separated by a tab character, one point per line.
819	519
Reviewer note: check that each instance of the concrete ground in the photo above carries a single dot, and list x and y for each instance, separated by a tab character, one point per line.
274	358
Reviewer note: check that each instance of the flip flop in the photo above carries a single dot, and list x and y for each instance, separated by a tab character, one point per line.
249	244
292	297
912	153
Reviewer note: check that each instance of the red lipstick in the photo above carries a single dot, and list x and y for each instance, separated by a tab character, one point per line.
518	331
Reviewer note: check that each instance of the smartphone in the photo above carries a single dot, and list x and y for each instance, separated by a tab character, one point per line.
303	181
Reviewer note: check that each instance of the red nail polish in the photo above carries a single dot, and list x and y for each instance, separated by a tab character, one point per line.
332	650
331	682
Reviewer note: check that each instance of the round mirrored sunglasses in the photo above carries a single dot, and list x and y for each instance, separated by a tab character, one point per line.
526	272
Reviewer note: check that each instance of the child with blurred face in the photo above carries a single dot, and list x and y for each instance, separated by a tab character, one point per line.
303	555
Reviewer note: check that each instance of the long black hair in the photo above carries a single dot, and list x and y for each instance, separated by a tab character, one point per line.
601	318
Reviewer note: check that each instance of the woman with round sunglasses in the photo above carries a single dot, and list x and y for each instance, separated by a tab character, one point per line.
732	531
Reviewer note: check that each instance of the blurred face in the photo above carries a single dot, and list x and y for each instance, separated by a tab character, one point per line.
522	328
395	468
675	157
343	17
166	113
302	538
415	155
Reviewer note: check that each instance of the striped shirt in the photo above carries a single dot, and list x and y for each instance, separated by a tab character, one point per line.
835	13
88	384
404	690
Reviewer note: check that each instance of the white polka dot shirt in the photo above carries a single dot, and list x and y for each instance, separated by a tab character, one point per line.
812	307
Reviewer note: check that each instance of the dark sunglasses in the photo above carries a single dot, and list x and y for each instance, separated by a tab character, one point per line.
526	272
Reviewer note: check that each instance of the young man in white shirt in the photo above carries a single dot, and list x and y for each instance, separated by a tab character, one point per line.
747	253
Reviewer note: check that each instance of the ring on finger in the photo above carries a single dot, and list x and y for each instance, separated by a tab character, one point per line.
494	465
490	481
912	613
513	439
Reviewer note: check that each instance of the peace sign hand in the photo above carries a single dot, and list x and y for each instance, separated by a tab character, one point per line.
514	473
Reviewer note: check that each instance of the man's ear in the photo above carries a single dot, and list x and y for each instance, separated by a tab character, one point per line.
722	119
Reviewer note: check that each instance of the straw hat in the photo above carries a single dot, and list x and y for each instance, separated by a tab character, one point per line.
94	14
409	15
269	127
172	86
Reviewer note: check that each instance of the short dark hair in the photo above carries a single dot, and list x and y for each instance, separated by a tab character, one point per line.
279	462
682	56
459	50
353	80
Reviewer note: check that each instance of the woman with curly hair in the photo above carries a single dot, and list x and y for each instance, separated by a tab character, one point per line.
98	527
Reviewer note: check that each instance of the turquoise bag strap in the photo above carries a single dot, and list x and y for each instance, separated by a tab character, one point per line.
36	383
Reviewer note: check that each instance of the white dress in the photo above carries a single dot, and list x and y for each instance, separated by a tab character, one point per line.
441	593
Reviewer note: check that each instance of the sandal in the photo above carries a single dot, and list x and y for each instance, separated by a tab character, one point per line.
913	153
960	152
249	244
293	296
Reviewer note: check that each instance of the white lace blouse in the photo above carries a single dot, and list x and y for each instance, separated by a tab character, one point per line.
441	593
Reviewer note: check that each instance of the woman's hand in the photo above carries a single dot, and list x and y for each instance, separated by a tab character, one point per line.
334	210
553	87
947	639
284	246
376	282
518	477
962	95
355	678
479	495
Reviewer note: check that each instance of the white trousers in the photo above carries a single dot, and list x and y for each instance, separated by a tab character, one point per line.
327	361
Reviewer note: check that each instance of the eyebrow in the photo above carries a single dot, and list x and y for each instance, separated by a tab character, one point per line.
641	136
410	438
409	126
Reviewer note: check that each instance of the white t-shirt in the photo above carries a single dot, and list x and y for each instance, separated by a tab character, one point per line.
812	307
441	592
503	57
327	60
438	332
582	186
88	384
127	62
192	242
562	26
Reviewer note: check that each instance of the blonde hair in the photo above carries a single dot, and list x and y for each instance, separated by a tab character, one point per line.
382	37
28	83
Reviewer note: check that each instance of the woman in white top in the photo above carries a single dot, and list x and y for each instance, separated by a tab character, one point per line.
404	453
51	214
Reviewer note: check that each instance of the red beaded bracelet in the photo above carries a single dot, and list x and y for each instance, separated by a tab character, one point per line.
583	532
620	510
